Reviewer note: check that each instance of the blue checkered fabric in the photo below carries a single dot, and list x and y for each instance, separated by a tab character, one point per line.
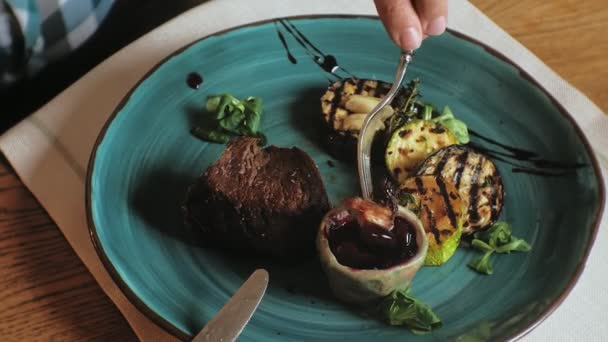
36	32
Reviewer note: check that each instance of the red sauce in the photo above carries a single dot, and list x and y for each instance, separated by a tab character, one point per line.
371	246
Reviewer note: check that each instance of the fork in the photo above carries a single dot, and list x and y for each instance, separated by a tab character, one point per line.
372	123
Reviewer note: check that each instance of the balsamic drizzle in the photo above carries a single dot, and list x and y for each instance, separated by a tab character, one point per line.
327	62
521	153
291	58
511	154
194	80
517	157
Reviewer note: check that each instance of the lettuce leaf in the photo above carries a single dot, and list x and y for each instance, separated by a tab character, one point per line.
402	309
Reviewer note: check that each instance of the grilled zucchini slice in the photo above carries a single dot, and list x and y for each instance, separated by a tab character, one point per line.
440	209
477	180
413	143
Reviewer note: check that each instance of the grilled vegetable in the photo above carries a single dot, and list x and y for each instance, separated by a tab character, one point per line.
440	209
477	180
338	104
344	106
412	144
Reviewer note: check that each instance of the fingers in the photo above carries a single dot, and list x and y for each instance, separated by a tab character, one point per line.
433	16
401	22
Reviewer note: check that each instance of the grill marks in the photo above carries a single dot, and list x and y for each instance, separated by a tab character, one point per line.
441	164
461	161
334	99
474	195
446	201
335	103
476	179
432	224
494	203
419	186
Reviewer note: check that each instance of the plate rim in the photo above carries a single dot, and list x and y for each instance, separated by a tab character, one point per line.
181	335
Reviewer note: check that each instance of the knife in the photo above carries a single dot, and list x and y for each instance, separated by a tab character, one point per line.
229	322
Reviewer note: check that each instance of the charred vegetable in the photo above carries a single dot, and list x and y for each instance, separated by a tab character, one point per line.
368	251
477	180
346	101
412	144
344	106
440	209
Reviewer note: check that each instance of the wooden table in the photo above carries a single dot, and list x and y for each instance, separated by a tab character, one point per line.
46	293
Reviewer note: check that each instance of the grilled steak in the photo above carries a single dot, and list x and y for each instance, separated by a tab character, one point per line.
477	180
268	200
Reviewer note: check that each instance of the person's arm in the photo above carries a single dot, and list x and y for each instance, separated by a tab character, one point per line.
408	22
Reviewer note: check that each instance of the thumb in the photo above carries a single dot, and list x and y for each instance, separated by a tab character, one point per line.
401	22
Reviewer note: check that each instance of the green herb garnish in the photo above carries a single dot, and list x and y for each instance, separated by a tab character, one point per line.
402	309
498	239
227	116
409	107
405	106
457	127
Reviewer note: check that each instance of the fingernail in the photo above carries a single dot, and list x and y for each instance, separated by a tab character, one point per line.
411	39
436	27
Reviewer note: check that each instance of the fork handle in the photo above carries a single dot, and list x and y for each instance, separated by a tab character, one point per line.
369	128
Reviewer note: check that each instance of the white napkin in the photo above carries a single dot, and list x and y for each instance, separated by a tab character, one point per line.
50	149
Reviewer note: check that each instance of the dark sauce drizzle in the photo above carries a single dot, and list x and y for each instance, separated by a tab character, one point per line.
540	166
194	80
517	157
327	62
291	58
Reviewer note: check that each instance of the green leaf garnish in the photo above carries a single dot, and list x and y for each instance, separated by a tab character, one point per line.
482	246
482	265
516	245
212	135
229	116
497	239
457	127
232	121
402	309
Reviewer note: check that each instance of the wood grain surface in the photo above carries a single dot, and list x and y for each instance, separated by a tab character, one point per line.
46	294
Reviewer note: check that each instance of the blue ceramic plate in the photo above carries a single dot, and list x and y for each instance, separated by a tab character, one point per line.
145	158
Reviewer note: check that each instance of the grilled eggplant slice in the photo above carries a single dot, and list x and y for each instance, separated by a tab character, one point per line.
344	106
336	113
440	209
413	143
477	180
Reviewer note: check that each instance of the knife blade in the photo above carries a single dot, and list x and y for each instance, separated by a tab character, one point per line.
229	322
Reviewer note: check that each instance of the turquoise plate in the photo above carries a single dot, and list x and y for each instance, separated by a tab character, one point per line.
145	158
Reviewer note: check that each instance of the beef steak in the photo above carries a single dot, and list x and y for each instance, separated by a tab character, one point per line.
270	200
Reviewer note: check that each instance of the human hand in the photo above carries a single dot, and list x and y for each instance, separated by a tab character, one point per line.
408	22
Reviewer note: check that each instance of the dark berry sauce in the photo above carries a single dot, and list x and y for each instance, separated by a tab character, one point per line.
194	80
371	246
